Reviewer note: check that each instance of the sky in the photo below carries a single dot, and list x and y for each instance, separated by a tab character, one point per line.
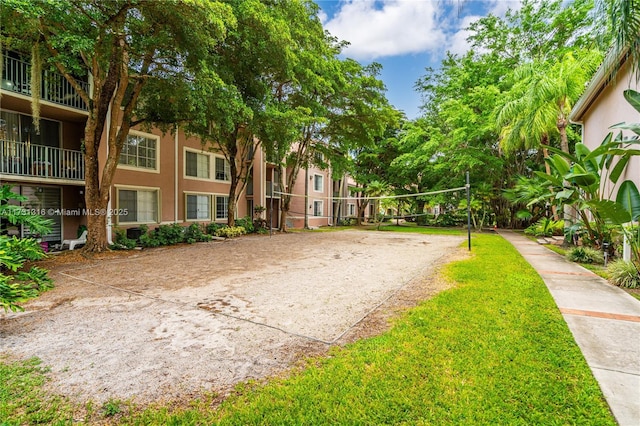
405	36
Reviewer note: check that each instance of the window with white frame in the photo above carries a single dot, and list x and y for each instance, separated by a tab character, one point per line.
223	170
137	206
352	209
317	208
139	151
222	206
198	207
197	164
318	183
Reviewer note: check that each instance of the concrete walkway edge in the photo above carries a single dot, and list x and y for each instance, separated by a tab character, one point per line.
604	321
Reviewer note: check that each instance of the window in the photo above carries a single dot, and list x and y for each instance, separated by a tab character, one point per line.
139	151
222	205
223	171
198	207
197	165
15	127
352	209
141	206
317	208
318	183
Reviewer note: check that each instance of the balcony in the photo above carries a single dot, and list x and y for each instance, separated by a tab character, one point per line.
16	78
31	160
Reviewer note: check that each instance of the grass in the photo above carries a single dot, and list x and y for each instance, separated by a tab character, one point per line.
387	226
492	350
22	398
412	227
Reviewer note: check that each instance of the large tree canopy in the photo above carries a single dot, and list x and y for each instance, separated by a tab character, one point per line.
122	45
489	111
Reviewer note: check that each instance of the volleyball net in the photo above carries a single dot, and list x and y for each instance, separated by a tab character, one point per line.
292	214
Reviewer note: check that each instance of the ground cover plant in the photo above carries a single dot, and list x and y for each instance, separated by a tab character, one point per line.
492	350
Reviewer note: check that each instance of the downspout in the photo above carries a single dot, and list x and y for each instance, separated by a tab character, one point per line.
175	179
108	123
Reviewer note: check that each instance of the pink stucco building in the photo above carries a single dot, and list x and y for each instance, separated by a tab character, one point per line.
603	105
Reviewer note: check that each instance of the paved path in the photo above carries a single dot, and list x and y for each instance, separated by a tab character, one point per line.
604	320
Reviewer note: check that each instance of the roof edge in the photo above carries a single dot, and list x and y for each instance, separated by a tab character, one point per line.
611	63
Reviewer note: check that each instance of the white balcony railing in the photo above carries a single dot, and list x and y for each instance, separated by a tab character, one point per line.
26	159
16	77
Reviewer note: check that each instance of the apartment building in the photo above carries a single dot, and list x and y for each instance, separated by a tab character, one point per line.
161	177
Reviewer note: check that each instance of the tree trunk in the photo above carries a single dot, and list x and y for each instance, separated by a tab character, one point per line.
362	206
96	223
232	144
285	200
284	211
420	219
96	232
562	129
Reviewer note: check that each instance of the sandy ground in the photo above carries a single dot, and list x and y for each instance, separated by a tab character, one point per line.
169	323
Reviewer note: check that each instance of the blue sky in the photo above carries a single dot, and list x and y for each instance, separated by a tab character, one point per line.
405	36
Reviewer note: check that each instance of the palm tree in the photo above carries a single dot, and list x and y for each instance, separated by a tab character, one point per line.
624	19
541	99
374	190
540	103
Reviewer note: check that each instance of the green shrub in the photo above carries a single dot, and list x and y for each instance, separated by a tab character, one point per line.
148	238
247	223
213	227
623	274
545	228
16	283
230	231
122	242
195	234
585	255
450	219
169	235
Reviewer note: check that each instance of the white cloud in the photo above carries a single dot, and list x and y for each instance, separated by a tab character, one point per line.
458	44
500	7
387	27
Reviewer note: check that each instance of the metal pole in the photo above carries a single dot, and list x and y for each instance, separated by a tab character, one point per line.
306	196
468	186
271	208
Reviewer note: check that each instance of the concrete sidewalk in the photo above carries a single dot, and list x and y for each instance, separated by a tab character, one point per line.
604	320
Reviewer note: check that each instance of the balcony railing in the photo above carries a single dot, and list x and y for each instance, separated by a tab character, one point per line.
26	159
16	77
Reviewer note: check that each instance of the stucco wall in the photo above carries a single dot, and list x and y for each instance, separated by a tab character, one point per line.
611	108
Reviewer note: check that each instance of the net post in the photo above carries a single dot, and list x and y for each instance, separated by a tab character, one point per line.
468	187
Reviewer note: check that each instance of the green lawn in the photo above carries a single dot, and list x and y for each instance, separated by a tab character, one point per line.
22	400
412	227
492	350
